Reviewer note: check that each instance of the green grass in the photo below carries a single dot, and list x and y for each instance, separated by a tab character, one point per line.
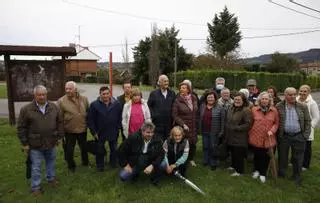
87	185
3	91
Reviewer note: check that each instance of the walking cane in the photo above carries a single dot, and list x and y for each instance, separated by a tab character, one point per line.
272	163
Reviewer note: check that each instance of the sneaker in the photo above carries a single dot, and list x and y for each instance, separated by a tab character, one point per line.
230	168
193	163
255	174
262	179
36	193
235	174
304	169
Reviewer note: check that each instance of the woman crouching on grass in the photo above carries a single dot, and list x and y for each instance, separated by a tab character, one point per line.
176	149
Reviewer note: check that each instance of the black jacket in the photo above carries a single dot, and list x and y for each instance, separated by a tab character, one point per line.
131	149
172	156
160	109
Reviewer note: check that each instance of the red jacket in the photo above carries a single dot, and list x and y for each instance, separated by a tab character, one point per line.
262	123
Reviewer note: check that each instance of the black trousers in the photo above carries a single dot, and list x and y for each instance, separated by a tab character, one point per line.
297	144
238	155
261	160
307	154
192	151
71	139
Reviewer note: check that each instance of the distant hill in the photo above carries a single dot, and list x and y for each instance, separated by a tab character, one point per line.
303	57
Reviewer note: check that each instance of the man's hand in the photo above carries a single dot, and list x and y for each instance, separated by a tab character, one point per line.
128	168
270	133
148	170
26	148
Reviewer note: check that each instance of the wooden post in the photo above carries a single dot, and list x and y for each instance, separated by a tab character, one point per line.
64	69
110	72
12	116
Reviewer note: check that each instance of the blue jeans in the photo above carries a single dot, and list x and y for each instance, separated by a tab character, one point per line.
37	155
208	142
124	175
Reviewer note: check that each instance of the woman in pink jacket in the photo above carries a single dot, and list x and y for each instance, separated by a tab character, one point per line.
262	135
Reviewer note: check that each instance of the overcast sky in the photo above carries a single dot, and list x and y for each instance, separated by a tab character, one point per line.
55	23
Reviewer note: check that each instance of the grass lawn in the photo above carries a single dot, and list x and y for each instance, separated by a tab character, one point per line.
3	90
87	185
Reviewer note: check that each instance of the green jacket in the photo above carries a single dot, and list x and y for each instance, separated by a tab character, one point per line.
303	115
38	130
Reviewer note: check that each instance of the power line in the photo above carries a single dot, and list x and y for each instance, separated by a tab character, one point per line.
291	9
171	21
263	36
304	6
110	45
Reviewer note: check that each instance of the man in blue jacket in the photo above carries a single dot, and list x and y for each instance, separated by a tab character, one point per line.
104	122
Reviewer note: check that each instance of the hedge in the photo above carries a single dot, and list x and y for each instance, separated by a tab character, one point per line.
237	79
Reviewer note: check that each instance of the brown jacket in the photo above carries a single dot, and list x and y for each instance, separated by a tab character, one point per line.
238	124
74	113
182	114
39	130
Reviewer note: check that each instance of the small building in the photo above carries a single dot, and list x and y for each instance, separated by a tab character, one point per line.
312	68
83	65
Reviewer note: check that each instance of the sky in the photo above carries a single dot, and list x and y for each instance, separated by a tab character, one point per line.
104	23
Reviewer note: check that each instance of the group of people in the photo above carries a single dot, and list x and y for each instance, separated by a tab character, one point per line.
160	135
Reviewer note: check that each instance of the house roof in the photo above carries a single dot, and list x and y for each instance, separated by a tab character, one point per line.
83	53
37	50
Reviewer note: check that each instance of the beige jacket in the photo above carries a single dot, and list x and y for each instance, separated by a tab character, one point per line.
74	113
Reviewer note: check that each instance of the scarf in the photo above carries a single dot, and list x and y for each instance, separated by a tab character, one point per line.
188	100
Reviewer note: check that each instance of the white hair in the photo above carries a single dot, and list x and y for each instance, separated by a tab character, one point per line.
290	89
245	92
72	83
161	77
225	90
40	88
188	82
220	78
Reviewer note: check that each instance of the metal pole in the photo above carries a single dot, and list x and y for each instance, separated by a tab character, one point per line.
175	63
110	72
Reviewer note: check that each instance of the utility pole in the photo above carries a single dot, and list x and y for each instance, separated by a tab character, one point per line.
175	63
79	33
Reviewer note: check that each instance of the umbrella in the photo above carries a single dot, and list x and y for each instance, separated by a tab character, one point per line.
28	166
188	182
272	162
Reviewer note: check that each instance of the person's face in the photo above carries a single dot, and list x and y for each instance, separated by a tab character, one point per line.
265	100
184	90
238	102
105	95
271	92
303	93
210	99
251	88
136	99
225	95
290	97
126	88
147	134
164	83
40	96
177	136
70	90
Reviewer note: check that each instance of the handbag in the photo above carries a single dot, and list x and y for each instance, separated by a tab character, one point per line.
96	147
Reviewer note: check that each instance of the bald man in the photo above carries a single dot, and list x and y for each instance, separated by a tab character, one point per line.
294	130
160	104
73	109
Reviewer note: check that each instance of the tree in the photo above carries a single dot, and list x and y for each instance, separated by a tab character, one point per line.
224	34
166	40
281	63
154	61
